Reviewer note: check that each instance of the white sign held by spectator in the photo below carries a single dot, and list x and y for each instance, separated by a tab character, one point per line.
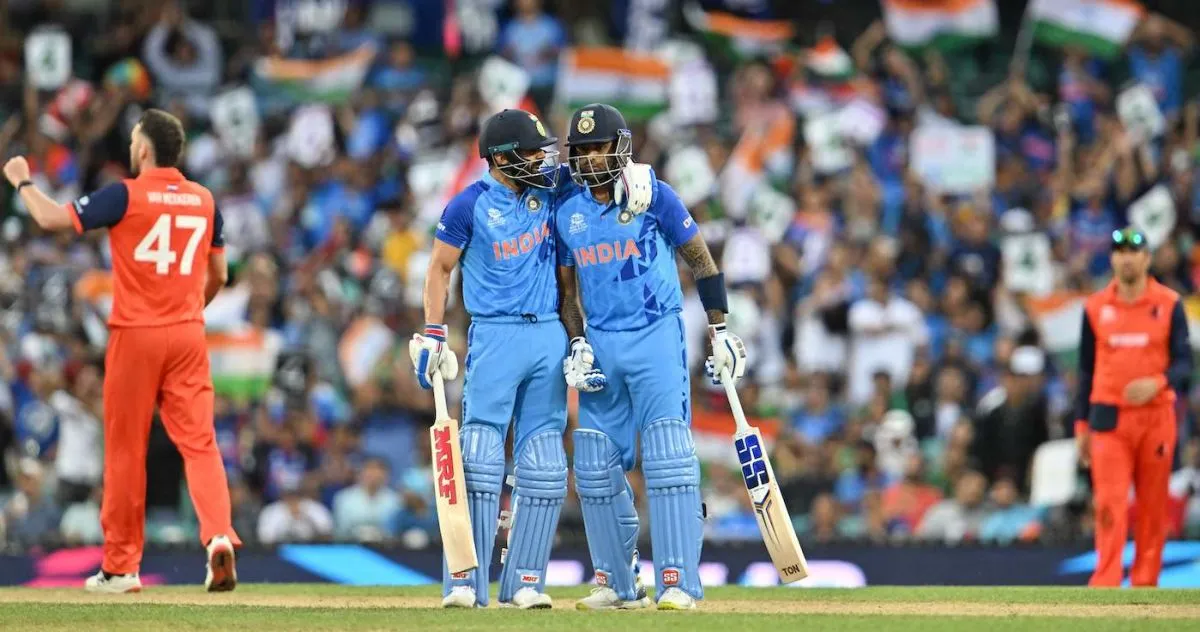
691	174
1154	214
48	59
954	159
861	121
502	84
1139	112
1028	264
310	139
829	151
235	119
772	212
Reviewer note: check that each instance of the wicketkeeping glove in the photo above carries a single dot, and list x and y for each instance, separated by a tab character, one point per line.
728	352
578	369
634	187
430	353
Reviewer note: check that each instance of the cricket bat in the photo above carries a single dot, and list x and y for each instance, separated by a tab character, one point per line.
773	518
454	519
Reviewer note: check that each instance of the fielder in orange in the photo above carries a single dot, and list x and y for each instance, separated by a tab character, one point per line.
1134	358
168	263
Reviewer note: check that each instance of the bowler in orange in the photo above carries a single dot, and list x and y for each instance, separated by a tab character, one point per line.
1134	359
168	263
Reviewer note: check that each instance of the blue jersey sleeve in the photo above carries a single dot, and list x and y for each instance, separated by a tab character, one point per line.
102	208
218	239
457	221
674	220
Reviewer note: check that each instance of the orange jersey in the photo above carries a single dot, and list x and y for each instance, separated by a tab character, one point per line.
1123	341
162	229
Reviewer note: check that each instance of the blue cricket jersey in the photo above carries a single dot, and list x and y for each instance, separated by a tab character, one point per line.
507	247
626	270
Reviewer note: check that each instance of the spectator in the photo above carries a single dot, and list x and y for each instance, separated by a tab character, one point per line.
1013	420
885	332
81	521
1010	519
31	516
960	518
294	518
184	56
532	39
906	502
362	512
79	461
819	418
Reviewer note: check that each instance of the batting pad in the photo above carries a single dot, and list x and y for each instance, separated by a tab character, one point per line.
541	485
672	474
483	465
609	516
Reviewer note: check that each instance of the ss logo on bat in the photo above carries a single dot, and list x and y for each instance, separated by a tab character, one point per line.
750	455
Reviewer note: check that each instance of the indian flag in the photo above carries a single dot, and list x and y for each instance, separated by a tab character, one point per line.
943	24
332	80
741	36
1100	26
634	83
1057	318
243	362
829	61
365	342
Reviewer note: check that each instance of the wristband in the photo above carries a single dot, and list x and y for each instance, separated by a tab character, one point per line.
24	183
712	293
437	332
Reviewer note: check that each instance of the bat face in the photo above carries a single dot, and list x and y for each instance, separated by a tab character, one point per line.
443	460
773	520
454	518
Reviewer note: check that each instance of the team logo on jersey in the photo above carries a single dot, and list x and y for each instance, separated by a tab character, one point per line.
495	218
533	204
1108	313
578	224
624	217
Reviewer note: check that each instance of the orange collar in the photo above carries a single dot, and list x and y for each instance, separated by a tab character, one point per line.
1113	297
160	173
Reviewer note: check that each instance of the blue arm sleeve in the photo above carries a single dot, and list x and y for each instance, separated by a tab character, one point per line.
1087	366
674	221
218	240
455	227
102	208
1179	371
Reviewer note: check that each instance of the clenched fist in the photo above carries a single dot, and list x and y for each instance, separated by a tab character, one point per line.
16	170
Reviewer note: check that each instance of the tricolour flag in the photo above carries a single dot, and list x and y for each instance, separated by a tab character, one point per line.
942	24
634	83
332	80
829	61
1057	318
1101	27
243	362
740	36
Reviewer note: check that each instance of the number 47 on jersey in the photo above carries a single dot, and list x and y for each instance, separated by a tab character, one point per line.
156	246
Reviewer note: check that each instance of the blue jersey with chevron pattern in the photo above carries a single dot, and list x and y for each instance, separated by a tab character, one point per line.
625	264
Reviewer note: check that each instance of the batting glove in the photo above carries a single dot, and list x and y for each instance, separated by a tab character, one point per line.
634	187
430	354
728	352
579	371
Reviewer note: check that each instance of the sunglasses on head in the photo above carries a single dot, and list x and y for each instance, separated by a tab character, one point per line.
1128	239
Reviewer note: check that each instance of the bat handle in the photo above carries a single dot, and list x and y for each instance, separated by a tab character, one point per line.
735	403
439	397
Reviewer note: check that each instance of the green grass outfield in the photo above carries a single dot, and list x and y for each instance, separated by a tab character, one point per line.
262	607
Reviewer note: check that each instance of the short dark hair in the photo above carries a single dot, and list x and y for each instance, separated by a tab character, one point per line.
165	134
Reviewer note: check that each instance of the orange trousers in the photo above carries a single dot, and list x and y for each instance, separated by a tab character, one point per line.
1138	452
168	367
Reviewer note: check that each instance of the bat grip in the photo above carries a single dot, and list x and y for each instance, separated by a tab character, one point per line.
735	403
439	397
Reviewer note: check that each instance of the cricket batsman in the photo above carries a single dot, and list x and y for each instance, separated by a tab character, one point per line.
499	231
623	264
1134	359
168	263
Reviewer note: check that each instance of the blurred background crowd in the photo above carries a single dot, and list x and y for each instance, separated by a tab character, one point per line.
908	199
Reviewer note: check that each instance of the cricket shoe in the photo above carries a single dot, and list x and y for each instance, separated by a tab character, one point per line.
113	584
529	599
605	598
222	572
459	597
675	599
